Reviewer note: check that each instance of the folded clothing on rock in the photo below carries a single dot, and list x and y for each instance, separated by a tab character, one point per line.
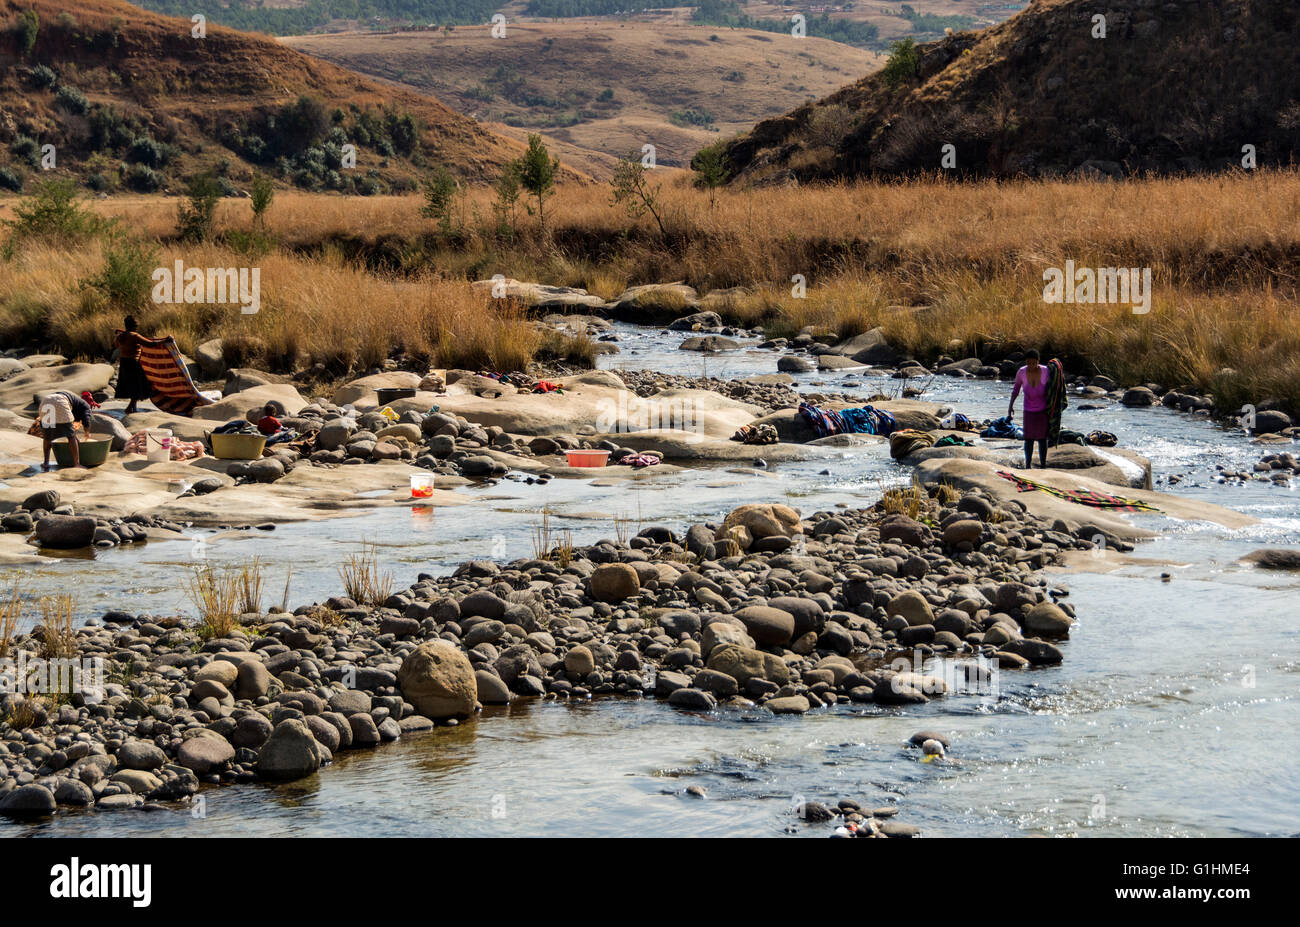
546	386
907	440
756	434
866	420
645	459
955	421
953	441
1002	428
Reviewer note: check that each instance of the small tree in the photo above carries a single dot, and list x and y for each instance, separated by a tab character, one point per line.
262	193
126	276
710	170
537	174
904	62
439	191
635	193
508	192
194	218
52	213
29	24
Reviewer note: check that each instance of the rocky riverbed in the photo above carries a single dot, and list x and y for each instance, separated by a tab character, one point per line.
764	611
713	619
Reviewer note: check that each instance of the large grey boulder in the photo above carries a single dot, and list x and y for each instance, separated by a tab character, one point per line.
291	753
65	532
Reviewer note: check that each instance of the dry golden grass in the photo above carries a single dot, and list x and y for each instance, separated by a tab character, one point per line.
248	587
549	544
942	267
11	607
58	639
215	595
363	581
321	308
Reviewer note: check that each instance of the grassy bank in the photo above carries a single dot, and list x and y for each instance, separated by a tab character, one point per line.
942	267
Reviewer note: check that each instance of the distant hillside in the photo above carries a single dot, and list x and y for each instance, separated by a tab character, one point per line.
1171	87
868	25
291	17
607	86
131	100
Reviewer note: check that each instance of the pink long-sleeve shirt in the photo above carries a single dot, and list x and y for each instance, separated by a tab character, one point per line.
1035	396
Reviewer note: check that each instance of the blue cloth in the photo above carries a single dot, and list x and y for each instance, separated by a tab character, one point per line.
1003	428
236	426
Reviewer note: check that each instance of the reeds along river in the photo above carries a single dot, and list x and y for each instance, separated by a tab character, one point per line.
1174	713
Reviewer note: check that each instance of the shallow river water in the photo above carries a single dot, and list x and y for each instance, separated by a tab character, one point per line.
1174	713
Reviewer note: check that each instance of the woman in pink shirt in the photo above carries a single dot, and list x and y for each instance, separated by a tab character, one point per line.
1032	380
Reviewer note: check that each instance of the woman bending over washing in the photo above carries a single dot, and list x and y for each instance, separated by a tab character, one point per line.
1032	379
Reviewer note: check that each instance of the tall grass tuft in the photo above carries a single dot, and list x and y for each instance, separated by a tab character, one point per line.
248	586
215	595
58	639
11	607
363	581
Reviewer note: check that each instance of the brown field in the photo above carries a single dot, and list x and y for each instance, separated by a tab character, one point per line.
943	267
541	75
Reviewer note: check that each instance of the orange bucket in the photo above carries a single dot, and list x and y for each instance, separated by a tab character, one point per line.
587	458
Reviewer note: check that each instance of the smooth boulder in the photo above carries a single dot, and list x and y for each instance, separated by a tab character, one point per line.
438	680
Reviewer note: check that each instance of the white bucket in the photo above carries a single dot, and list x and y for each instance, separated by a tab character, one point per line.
421	485
159	442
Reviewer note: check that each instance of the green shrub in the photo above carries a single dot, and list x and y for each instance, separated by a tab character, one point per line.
72	100
144	150
26	150
53	214
29	24
143	179
195	214
126	276
10	180
42	77
904	62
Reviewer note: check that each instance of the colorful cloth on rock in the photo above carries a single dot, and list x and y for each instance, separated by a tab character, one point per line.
866	420
170	386
756	434
1089	497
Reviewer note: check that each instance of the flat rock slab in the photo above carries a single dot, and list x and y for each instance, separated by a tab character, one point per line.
18	391
980	474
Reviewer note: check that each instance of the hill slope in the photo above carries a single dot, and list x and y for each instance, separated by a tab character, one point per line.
1172	87
607	86
131	99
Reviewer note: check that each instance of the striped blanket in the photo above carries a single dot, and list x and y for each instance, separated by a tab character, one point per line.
169	382
1098	500
1056	401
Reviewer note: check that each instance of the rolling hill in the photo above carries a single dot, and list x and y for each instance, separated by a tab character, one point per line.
1169	88
607	86
133	100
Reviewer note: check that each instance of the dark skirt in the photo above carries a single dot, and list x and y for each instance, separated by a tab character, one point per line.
1035	426
131	381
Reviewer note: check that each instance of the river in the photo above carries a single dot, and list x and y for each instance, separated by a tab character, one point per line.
1174	713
